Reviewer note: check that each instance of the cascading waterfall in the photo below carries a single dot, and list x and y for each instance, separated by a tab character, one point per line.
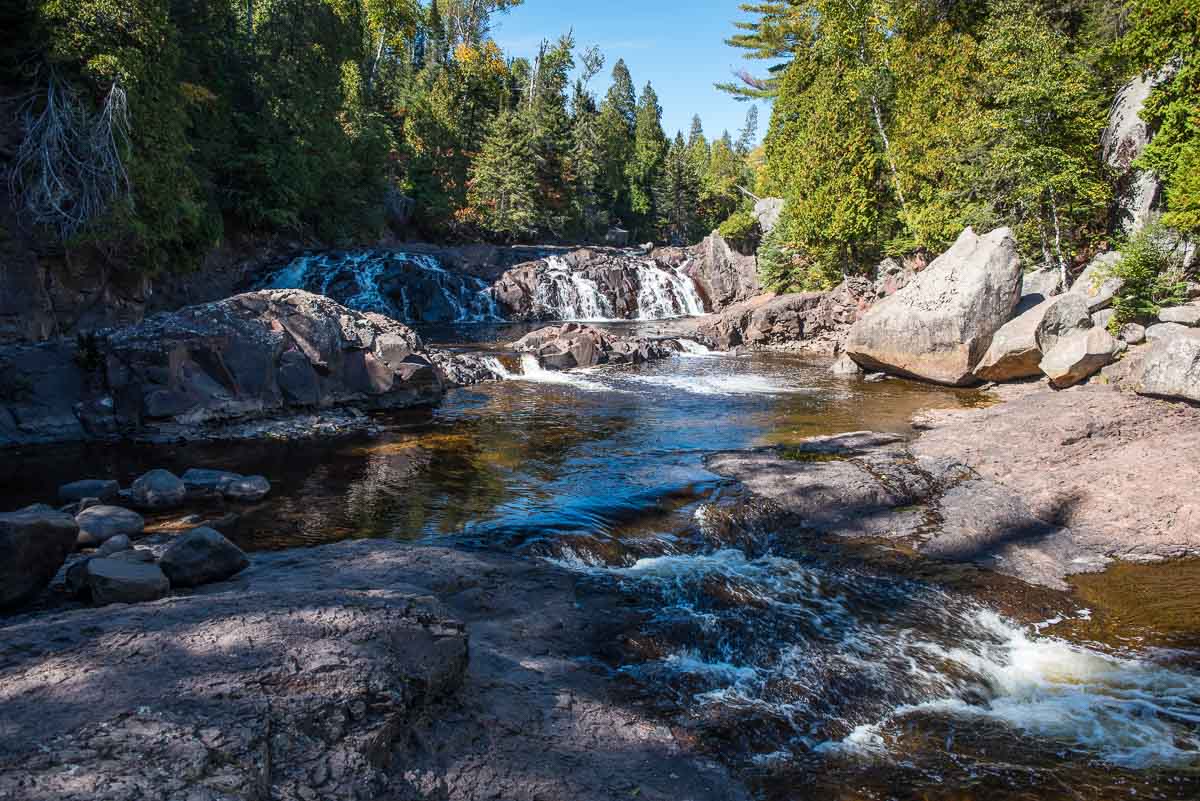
664	294
412	287
565	295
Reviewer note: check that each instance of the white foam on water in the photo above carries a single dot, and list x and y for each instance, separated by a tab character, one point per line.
532	371
693	349
565	295
664	294
720	384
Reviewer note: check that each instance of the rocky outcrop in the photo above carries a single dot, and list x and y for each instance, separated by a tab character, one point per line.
34	543
1123	140
259	356
767	211
723	276
812	321
573	345
941	324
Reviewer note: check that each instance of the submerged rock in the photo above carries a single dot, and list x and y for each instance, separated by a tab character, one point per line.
34	544
940	324
202	556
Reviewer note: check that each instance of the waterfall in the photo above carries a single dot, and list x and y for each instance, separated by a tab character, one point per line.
561	294
413	287
663	294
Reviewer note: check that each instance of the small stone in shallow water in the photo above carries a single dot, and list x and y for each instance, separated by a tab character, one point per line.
247	488
158	489
202	483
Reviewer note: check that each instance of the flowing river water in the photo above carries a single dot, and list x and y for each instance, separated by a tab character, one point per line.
820	672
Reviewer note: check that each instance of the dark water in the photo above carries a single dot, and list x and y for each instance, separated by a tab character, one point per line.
820	676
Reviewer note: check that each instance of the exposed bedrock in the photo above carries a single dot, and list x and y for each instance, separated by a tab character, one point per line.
573	345
1040	487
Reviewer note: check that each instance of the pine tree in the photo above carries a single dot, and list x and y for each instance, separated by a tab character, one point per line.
504	182
649	147
676	195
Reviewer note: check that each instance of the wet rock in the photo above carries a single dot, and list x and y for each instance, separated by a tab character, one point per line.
158	489
1078	356
113	545
573	345
100	523
104	489
1184	315
1095	284
34	544
202	483
117	581
467	369
940	325
1171	368
247	488
202	556
845	366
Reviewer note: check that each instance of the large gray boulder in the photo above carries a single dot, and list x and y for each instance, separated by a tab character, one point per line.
1046	282
98	524
1064	316
1188	315
202	556
34	544
940	324
1077	356
1166	331
767	211
158	489
1171	368
120	581
261	354
1095	285
1122	142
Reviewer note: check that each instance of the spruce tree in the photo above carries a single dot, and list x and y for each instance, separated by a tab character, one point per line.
649	148
676	195
504	181
617	116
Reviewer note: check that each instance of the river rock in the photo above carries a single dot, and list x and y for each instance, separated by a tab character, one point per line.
105	490
114	545
118	581
1171	368
573	345
1063	316
1184	315
100	523
204	483
158	489
247	488
1078	356
1095	285
941	324
200	557
811	321
261	354
467	369
34	544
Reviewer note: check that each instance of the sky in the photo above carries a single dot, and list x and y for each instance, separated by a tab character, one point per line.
678	46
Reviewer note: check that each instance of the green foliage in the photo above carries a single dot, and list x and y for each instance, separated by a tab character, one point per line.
739	228
504	179
1153	278
649	149
676	194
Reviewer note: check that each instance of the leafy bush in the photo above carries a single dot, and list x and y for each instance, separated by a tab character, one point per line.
1153	274
739	227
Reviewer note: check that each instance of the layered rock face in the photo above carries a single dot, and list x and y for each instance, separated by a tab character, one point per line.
940	324
815	321
723	276
259	354
1123	140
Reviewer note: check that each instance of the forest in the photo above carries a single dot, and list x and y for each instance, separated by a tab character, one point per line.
153	129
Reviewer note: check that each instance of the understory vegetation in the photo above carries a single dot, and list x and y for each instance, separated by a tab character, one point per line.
151	130
897	123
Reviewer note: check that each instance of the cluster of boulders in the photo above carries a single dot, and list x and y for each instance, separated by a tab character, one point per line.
574	345
97	520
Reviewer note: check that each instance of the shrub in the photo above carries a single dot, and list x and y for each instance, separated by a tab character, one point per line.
1153	276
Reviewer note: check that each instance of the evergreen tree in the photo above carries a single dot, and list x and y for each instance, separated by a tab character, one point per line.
617	117
676	195
504	182
749	134
649	148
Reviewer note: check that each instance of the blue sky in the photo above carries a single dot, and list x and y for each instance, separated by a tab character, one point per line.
677	46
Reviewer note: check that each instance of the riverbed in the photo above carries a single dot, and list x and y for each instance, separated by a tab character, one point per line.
816	671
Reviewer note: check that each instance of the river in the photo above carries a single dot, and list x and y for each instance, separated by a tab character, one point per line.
820	672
